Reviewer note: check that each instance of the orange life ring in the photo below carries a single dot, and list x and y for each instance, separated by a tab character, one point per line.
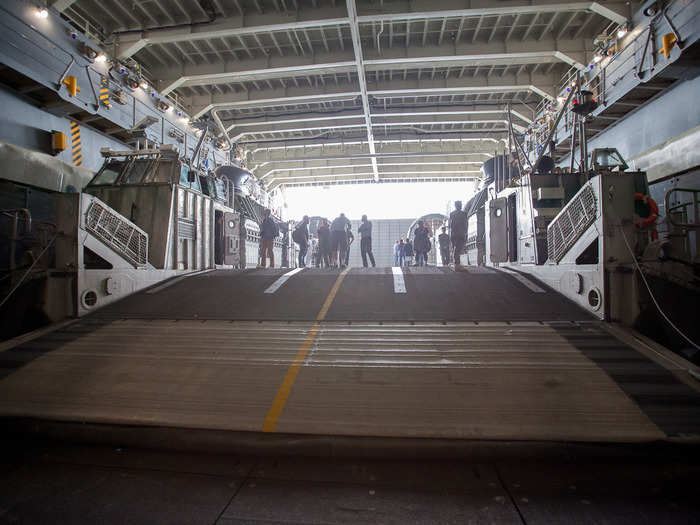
648	222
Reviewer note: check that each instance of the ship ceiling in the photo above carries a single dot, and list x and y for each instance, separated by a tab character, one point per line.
293	80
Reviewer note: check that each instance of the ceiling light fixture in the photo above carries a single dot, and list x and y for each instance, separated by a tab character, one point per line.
143	84
622	31
42	13
101	58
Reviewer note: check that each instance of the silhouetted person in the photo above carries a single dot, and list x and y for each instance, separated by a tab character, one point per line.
324	243
268	232
397	253
351	239
365	231
407	253
402	252
301	237
421	243
458	231
339	237
444	242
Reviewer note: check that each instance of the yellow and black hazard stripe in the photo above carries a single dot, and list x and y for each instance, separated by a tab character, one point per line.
104	93
77	148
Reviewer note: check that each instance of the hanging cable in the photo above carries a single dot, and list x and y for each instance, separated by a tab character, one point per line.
29	270
379	47
651	294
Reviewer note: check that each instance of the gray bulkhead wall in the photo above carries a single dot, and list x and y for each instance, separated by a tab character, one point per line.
28	126
24	124
646	137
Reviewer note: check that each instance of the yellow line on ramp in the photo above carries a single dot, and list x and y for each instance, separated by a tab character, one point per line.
285	388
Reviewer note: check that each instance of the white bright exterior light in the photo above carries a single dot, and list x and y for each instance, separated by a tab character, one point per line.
42	12
101	57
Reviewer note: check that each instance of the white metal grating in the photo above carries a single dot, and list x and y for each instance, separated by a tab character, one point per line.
118	233
571	222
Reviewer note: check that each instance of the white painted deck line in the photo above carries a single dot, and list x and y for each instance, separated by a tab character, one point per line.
399	283
524	280
283	279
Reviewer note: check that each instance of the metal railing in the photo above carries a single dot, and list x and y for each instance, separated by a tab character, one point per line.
688	212
117	232
571	222
601	79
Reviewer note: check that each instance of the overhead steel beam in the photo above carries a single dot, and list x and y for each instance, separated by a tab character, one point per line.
203	104
377	113
357	45
259	74
245	100
289	67
273	121
457	90
422	173
473	174
234	27
490	59
396	112
439	154
361	163
370	180
482	142
282	129
129	45
611	11
397	120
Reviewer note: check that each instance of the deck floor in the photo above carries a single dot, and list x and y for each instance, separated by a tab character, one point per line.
65	484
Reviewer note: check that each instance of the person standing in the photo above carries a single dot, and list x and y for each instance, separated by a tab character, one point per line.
301	237
402	252
268	233
421	243
397	253
324	243
408	252
458	231
351	239
315	254
444	242
339	237
365	231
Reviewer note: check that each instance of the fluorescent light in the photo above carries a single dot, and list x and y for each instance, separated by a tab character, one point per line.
42	12
101	57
